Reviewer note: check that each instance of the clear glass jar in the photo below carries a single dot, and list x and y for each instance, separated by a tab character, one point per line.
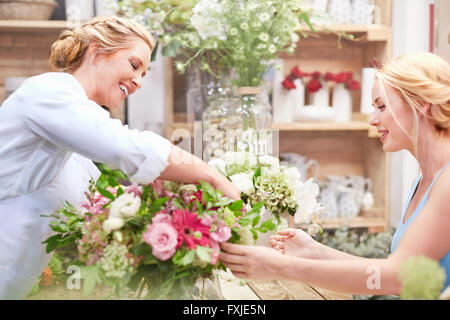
248	123
218	100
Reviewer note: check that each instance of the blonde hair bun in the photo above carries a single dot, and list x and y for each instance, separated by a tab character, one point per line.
109	33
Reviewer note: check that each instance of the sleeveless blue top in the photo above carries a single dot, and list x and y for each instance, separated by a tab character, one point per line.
445	261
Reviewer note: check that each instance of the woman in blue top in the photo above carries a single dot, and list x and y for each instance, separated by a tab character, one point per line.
411	95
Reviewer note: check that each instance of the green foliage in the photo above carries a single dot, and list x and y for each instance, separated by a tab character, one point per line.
422	278
109	177
359	242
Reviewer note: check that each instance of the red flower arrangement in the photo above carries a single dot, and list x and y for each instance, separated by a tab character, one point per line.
314	84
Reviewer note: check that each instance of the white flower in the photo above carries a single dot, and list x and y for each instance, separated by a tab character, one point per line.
112	224
240	158
263	36
243	181
272	48
306	194
233	31
294	37
313	229
263	17
207	19
292	172
219	164
269	160
179	66
125	206
244	26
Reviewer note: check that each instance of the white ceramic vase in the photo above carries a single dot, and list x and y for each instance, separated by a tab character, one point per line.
283	100
368	78
342	103
299	100
322	97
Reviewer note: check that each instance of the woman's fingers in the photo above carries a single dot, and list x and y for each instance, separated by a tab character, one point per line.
235	248
231	258
288	232
235	267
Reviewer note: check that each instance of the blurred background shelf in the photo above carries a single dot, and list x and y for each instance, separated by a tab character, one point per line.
33	25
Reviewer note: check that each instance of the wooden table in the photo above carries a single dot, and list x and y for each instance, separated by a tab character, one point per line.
277	290
234	289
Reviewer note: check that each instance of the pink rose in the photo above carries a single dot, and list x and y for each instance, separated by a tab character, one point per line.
163	239
161	217
222	234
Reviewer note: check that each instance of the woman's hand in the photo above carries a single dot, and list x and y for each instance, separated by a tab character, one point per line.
295	242
221	183
187	168
250	262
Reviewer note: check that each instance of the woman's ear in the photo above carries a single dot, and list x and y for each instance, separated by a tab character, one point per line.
92	53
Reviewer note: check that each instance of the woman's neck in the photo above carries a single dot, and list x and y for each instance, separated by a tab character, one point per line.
87	81
433	153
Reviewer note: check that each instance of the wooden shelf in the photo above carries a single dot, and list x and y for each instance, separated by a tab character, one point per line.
306	126
357	222
322	126
374	32
33	25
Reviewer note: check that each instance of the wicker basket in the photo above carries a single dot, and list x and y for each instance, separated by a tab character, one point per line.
26	9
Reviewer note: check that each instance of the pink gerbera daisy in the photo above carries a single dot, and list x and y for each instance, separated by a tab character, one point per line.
190	229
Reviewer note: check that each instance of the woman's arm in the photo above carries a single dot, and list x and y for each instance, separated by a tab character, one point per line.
356	276
426	236
185	167
64	118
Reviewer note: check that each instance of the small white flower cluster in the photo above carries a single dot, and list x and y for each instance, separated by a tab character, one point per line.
115	262
124	206
278	185
206	19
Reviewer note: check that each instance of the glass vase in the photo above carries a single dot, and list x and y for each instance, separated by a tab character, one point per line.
218	100
249	122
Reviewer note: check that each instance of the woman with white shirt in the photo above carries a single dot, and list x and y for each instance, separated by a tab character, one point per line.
53	126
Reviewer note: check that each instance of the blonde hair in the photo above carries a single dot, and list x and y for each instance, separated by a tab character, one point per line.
420	78
108	33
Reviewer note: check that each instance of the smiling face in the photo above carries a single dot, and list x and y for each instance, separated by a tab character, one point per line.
120	74
392	118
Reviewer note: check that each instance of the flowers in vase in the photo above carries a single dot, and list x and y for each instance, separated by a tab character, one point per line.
314	83
249	34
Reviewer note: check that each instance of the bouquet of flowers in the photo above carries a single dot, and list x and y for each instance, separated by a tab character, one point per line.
250	33
155	240
223	34
279	187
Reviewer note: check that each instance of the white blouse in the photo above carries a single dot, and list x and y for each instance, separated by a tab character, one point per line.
49	130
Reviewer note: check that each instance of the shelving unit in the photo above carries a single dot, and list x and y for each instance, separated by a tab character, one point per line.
25	49
340	148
